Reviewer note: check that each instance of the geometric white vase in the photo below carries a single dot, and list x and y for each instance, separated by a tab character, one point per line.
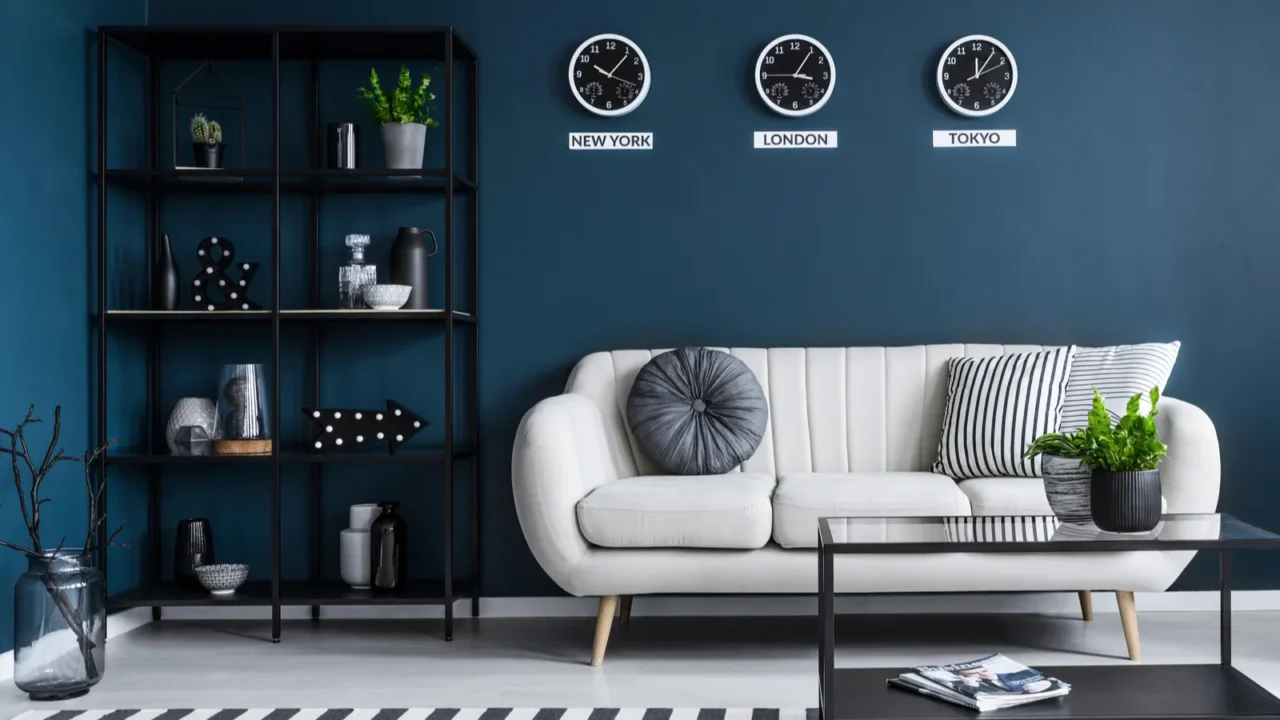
188	412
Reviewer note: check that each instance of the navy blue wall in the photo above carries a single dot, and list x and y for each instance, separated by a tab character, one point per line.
1141	204
45	209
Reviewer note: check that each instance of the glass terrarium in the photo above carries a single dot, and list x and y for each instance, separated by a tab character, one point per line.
243	414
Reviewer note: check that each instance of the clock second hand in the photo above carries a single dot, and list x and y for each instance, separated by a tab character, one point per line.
606	74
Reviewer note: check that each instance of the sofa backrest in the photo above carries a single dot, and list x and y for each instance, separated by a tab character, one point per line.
858	409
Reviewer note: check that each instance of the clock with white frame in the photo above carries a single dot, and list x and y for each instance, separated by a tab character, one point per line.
795	75
609	75
977	76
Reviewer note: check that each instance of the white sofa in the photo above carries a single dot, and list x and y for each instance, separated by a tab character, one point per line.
852	432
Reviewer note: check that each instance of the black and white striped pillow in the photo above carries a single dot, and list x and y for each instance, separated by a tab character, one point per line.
1119	373
995	407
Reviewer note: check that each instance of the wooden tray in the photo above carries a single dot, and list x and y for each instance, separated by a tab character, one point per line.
241	447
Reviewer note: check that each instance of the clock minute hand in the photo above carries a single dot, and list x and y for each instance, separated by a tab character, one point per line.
625	54
802	62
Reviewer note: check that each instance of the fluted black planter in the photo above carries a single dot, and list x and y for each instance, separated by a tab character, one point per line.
1125	501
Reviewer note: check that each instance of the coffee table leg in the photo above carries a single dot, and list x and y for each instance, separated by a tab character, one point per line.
827	638
1224	605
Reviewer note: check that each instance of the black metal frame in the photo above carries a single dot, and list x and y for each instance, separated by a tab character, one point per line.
828	549
274	45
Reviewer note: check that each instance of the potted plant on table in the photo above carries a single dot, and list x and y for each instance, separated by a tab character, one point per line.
1124	461
404	116
60	620
206	142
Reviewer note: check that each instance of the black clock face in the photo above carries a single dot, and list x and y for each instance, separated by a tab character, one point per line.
609	75
977	76
795	75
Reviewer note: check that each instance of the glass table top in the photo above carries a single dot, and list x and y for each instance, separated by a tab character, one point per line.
1034	533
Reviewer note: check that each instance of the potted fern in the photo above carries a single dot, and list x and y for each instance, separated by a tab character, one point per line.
1124	459
206	142
404	116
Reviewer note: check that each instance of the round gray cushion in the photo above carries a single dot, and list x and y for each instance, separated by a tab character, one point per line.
696	411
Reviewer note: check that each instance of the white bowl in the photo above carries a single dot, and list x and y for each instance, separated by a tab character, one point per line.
386	297
222	579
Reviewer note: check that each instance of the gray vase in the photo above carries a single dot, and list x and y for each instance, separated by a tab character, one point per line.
1067	483
403	145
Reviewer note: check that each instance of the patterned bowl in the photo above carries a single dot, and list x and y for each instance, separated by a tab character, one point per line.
386	297
222	579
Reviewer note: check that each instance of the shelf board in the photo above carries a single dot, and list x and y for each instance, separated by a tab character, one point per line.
323	315
254	43
292	592
294	455
261	181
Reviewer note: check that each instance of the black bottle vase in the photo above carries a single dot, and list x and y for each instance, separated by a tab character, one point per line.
1125	501
389	563
409	255
193	549
164	278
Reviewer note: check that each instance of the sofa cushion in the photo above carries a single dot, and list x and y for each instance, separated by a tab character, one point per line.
995	407
1119	373
802	498
697	411
1006	496
729	511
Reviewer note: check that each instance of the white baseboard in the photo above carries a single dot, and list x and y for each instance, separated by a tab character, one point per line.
756	606
117	624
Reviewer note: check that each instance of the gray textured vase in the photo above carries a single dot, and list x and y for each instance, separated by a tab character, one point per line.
403	145
1067	483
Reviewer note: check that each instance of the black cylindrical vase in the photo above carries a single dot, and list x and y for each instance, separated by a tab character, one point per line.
1126	501
409	255
388	543
193	549
208	156
164	278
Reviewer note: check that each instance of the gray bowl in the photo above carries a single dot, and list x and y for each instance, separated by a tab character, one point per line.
222	579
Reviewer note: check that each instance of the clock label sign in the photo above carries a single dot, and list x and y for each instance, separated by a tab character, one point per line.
813	139
610	141
975	138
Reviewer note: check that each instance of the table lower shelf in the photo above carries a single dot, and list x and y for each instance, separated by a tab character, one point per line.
258	593
1097	691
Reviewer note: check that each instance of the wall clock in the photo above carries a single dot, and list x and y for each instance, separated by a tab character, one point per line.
795	75
977	76
609	75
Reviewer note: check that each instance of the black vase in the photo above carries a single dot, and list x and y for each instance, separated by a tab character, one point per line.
388	566
193	549
208	156
1126	501
164	278
409	255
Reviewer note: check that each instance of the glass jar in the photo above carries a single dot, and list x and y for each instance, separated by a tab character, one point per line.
59	626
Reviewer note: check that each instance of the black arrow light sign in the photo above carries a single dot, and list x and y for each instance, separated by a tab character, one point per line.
345	429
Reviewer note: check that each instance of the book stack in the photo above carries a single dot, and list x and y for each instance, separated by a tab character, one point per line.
991	683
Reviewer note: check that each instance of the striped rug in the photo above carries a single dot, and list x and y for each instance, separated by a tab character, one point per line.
428	714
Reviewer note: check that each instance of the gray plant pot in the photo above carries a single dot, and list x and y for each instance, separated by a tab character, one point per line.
1068	483
403	145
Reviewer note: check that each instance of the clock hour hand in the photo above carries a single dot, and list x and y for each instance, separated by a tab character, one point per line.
606	73
802	77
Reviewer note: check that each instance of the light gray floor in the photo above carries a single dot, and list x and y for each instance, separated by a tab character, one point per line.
656	662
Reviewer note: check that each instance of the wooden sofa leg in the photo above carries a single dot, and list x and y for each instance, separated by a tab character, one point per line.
1086	605
625	613
604	623
1129	621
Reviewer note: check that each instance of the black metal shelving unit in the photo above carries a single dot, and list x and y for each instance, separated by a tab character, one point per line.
156	182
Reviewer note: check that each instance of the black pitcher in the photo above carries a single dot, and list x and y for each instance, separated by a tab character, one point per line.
164	278
388	567
409	255
193	549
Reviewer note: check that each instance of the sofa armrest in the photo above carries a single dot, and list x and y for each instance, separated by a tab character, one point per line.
560	456
1191	475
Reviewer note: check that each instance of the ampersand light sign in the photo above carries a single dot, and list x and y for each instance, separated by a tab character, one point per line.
214	281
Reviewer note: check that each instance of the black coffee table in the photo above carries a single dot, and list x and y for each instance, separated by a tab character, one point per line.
1101	691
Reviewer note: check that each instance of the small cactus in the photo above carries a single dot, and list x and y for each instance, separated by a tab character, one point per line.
204	130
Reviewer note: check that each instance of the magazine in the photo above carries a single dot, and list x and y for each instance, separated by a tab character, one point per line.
989	683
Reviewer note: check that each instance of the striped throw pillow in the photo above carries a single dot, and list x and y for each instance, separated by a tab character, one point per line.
995	407
1119	373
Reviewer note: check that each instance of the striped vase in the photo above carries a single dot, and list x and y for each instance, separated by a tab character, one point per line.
1067	484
